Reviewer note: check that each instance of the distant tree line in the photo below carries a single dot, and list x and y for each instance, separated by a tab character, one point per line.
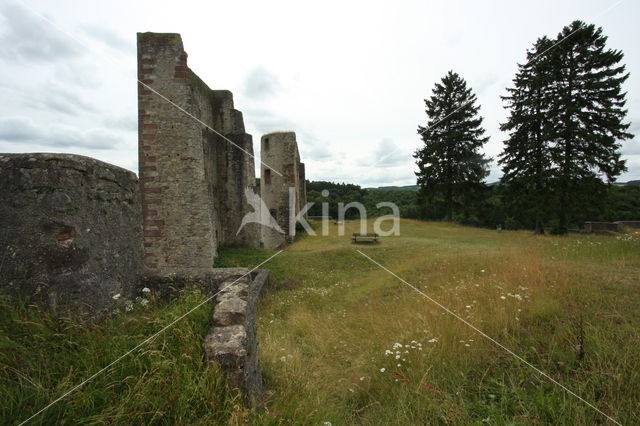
566	120
346	193
492	208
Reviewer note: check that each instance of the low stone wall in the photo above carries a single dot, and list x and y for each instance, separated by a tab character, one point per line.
629	223
611	226
70	231
232	342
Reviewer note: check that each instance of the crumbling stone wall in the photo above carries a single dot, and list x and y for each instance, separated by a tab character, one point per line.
232	341
192	179
610	226
302	188
70	231
281	170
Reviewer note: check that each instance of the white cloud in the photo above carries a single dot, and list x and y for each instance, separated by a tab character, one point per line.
351	85
19	131
386	154
27	37
261	84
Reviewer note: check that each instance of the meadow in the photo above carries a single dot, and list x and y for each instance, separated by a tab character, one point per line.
343	341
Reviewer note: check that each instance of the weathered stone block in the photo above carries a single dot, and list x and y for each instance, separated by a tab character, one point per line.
71	233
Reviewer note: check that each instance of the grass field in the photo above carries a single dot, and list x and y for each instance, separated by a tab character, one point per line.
345	342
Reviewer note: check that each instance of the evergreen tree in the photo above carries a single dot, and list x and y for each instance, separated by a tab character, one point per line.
525	158
587	111
566	118
451	166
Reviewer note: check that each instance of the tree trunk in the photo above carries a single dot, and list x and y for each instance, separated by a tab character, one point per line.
449	203
563	219
539	225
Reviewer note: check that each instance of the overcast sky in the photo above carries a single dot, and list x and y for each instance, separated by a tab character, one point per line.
350	78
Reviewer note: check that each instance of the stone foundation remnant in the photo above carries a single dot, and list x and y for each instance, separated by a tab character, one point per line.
232	342
282	186
70	231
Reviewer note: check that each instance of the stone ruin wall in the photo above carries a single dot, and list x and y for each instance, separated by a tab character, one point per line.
280	170
70	232
192	179
196	164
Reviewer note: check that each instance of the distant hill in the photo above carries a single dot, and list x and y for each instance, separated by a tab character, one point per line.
396	188
633	182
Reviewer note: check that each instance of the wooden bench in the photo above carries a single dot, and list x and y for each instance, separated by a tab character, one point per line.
355	237
319	218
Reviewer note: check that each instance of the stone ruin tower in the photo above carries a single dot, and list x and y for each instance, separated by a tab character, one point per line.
195	162
282	185
197	166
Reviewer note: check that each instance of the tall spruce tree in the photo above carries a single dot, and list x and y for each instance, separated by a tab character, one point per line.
525	158
451	166
567	116
588	114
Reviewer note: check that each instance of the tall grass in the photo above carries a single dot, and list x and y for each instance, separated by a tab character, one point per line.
567	305
164	382
344	342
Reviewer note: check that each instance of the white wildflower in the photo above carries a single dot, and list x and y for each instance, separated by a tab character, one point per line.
146	290
144	302
382	370
434	340
116	296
